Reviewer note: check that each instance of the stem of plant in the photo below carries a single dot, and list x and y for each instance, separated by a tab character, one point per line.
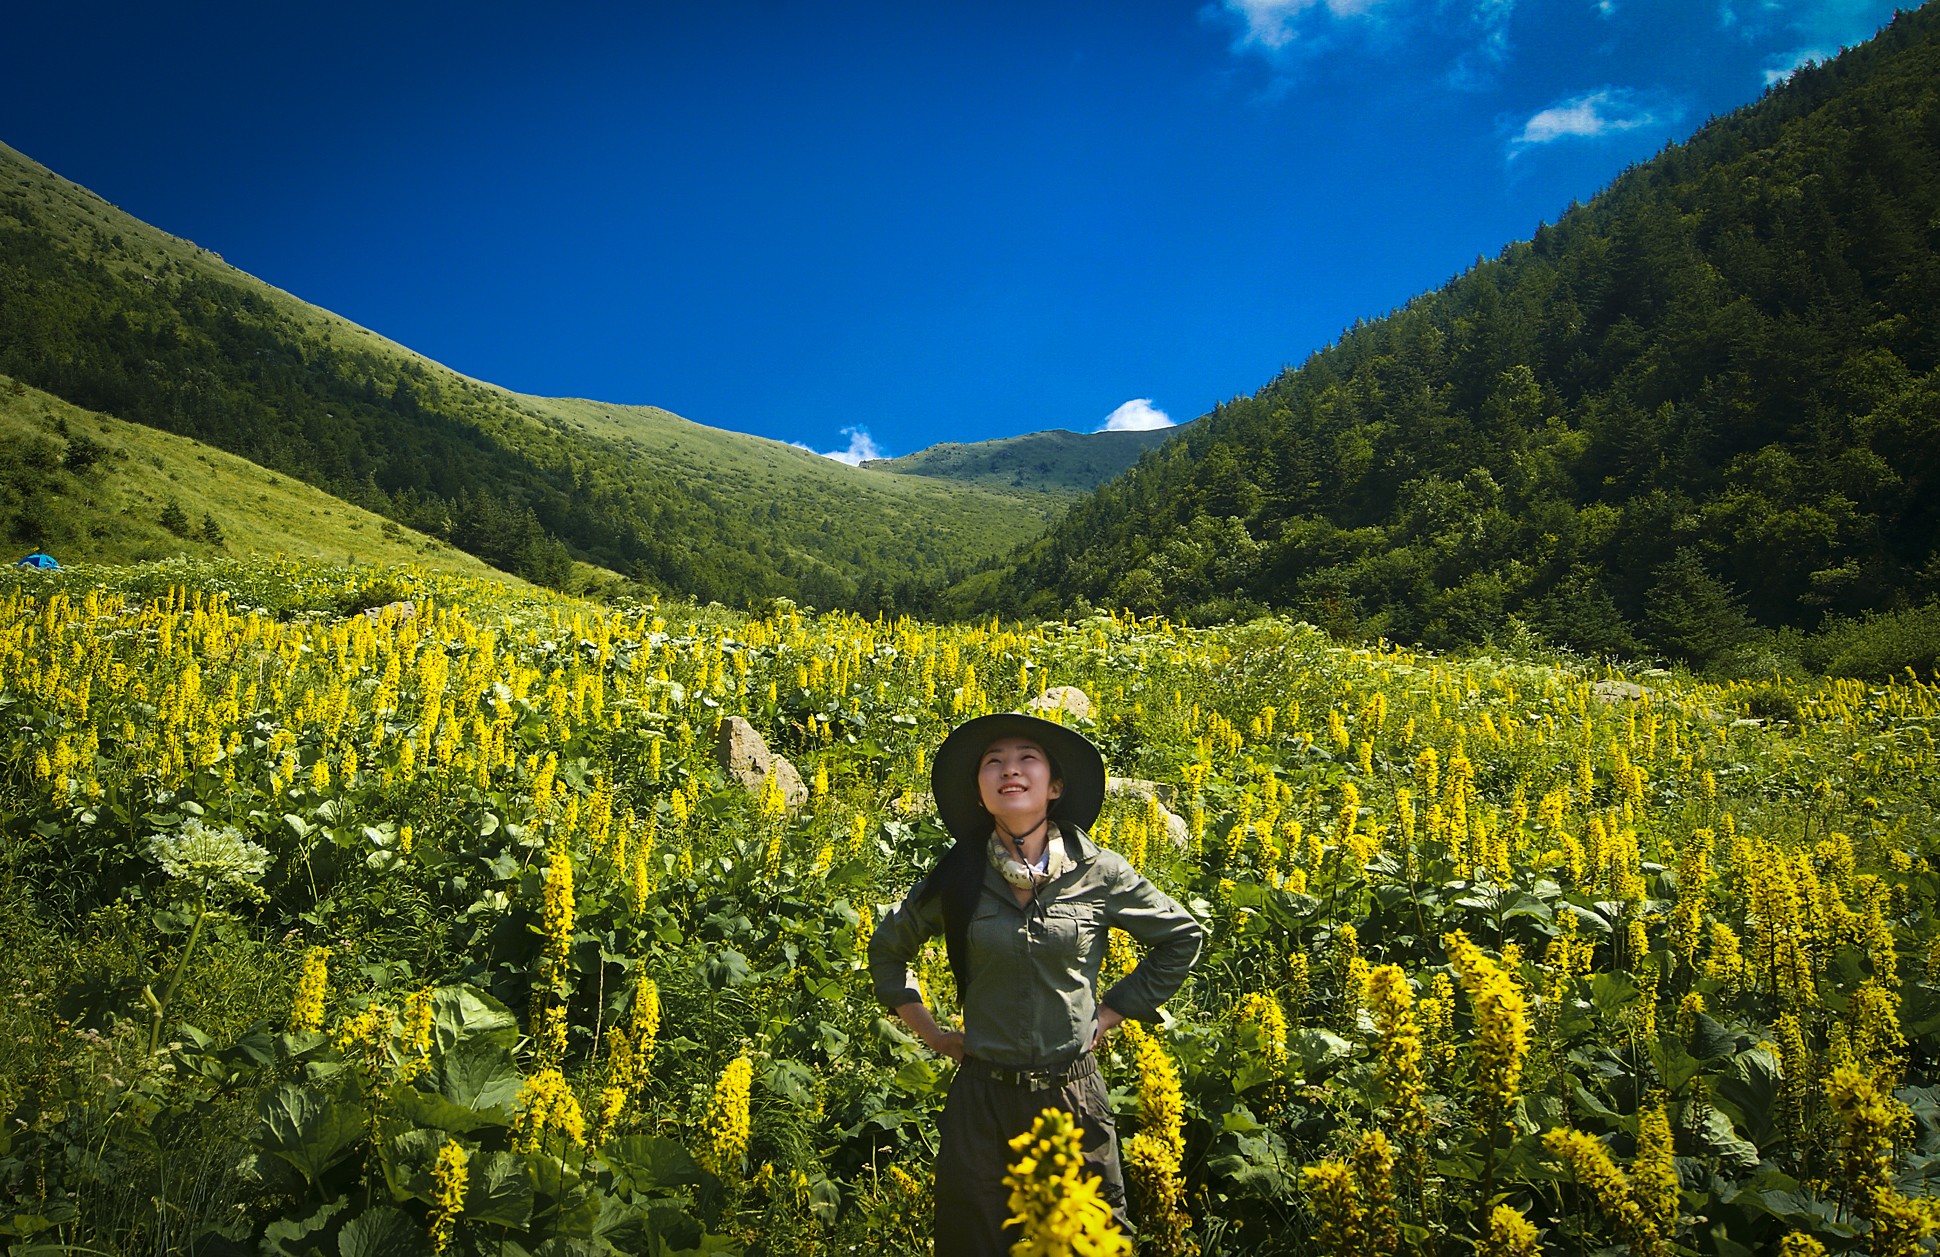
175	979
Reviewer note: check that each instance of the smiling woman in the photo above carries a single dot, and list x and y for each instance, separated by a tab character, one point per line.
1025	902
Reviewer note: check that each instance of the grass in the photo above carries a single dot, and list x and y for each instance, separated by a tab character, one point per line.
112	512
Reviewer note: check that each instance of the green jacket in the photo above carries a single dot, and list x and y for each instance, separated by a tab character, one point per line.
1031	1001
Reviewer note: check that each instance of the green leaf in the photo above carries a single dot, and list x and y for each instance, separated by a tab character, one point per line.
1715	1135
647	1163
500	1191
460	1014
428	1108
311	1130
384	1231
675	1228
1612	993
479	1074
1749	1094
1317	1048
1712	1038
305	1236
791	1080
726	967
408	1158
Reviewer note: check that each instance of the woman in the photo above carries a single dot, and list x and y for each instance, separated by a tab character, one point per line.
1025	902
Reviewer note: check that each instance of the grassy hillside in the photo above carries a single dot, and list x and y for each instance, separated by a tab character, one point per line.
118	317
1058	462
91	488
1700	406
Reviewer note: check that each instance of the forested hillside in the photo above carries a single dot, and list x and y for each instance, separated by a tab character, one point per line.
114	316
1057	461
1705	401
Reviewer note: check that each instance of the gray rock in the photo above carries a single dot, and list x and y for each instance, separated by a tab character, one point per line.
1133	787
740	748
1608	692
1068	699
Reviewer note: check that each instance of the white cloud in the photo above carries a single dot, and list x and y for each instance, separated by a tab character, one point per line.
1137	415
1585	117
1782	67
861	446
1487	35
1272	25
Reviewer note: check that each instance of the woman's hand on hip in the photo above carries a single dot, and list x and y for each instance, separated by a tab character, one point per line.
1108	1019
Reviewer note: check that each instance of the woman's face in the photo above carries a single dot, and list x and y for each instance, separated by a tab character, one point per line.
1014	779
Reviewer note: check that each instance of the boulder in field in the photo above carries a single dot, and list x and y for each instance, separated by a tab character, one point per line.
740	748
1068	700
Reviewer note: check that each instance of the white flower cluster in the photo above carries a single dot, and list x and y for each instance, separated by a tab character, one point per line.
211	859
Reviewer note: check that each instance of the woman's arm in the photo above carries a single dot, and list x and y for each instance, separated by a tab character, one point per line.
916	1015
892	946
1170	934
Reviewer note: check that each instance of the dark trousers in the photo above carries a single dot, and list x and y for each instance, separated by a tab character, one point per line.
979	1120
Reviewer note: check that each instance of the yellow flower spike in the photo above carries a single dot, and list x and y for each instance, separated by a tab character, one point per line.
312	985
1054	1204
547	1106
450	1178
725	1132
1340	1216
1596	1172
1653	1174
1509	1235
1501	1017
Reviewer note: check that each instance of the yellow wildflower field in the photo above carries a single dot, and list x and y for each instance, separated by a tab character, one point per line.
348	909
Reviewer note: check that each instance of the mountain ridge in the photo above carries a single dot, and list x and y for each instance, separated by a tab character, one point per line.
122	318
1058	461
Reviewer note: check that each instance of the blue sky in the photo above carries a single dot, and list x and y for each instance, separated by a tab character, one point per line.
879	226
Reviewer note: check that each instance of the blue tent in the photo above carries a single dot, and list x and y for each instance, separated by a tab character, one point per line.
45	562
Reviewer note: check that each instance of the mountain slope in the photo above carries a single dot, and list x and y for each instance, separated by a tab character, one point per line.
89	488
1058	462
118	317
1707	399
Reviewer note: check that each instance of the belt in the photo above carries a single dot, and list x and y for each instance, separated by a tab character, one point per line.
1049	1078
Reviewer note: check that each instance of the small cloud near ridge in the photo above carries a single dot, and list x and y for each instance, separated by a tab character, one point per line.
1585	117
1137	415
861	446
1784	66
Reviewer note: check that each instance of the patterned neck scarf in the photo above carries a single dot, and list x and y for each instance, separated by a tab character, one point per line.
1022	875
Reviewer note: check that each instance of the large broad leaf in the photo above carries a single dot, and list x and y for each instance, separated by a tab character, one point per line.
381	1232
1319	1048
675	1228
1712	1038
1925	1103
306	1236
310	1128
1749	1094
1612	993
646	1163
409	1157
479	1074
460	1014
500	1191
1714	1134
791	1080
428	1108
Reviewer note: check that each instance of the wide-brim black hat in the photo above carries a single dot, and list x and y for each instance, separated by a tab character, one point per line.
953	773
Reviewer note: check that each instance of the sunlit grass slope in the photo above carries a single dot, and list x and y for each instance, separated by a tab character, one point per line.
1058	462
119	317
90	488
